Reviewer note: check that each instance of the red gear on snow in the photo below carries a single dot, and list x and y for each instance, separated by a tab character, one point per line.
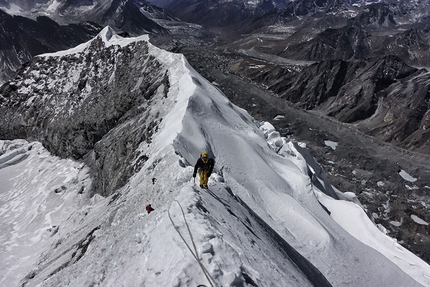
149	208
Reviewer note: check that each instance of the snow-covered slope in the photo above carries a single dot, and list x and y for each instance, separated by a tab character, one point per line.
269	218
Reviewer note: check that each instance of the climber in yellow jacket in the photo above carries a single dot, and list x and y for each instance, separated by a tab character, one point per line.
204	165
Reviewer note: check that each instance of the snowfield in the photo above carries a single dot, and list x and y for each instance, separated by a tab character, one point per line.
269	218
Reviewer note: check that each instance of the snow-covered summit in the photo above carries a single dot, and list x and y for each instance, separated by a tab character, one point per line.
107	35
139	117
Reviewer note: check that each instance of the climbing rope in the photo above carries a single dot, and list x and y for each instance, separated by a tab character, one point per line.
194	253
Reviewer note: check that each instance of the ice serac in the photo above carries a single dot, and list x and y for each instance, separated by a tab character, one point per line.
133	112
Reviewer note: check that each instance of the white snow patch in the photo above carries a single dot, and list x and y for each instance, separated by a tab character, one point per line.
414	187
419	220
331	144
396	223
407	176
380	183
14	10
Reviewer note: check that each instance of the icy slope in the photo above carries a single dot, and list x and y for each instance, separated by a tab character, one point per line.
260	224
37	193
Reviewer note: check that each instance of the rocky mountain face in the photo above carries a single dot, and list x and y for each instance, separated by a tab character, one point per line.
79	104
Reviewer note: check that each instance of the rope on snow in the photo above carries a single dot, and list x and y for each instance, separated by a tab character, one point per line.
194	253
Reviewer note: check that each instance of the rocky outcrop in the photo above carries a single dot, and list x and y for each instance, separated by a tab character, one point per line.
411	45
90	103
377	16
302	8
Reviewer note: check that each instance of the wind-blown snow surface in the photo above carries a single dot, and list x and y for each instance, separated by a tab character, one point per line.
261	223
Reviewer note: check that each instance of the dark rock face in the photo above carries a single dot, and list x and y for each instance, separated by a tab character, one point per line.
412	45
91	105
344	43
306	7
378	15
